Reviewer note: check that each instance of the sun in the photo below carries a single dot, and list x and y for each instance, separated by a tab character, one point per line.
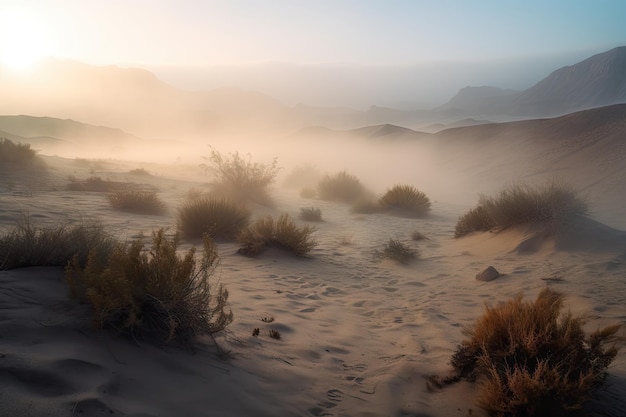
23	40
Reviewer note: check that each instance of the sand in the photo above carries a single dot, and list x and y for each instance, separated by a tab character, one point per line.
358	337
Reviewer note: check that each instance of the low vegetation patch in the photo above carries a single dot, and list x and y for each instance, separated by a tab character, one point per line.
140	172
240	179
29	245
96	184
532	359
552	205
153	293
342	187
311	214
137	201
308	192
397	251
282	233
220	218
16	153
306	175
417	236
366	205
405	200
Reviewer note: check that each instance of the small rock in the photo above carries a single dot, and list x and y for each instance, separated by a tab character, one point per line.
488	274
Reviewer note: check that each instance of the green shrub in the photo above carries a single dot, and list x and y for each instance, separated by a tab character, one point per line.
218	217
18	153
311	214
240	179
157	293
397	251
282	233
137	201
552	205
532	359
406	200
342	187
28	245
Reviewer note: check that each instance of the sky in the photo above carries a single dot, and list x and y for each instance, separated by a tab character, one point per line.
170	36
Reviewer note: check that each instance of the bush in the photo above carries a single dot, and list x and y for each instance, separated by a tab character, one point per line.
96	184
282	233
155	293
140	172
417	235
311	214
342	187
19	153
137	201
552	205
27	245
240	179
405	199
534	360
218	217
397	251
305	175
365	205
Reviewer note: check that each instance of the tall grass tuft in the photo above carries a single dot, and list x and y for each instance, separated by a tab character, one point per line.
475	220
155	293
220	218
532	359
342	187
137	201
282	233
311	214
397	251
406	200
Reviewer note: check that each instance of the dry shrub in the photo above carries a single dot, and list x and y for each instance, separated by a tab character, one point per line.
153	293
417	235
406	200
311	214
240	179
16	153
342	187
552	204
306	175
533	359
140	172
397	251
96	184
220	218
137	201
28	245
366	205
282	233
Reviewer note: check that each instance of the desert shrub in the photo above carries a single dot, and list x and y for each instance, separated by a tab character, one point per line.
96	184
405	199
137	201
220	218
533	359
18	153
417	235
551	204
397	251
365	205
476	219
29	245
140	172
308	192
154	293
240	179
282	233
306	175
341	187
311	214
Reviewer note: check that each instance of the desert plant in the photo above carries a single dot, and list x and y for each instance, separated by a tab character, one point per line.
219	217
156	293
417	235
406	200
533	359
308	192
137	201
140	172
365	205
311	214
282	233
342	187
397	251
306	175
29	245
96	184
476	219
18	153
239	178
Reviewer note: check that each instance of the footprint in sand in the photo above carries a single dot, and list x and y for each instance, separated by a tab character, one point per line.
322	408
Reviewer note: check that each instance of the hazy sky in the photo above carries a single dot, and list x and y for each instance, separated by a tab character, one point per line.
200	33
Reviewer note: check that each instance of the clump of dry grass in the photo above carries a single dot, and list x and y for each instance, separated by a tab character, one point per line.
306	175
552	204
417	235
140	172
16	153
157	293
311	214
239	179
29	245
397	251
366	205
282	233
137	201
342	187
406	200
96	184
532	359
220	218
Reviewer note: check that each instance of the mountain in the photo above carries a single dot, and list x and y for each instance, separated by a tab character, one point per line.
597	81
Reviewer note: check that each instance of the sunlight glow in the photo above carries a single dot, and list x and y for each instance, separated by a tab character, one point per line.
23	40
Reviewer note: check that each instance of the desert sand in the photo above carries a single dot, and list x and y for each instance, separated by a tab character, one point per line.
358	337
